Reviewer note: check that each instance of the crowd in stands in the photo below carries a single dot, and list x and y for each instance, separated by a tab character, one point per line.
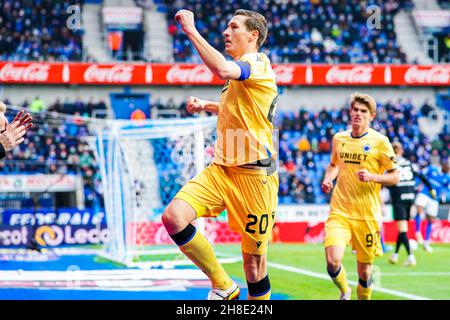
314	31
56	145
77	107
39	30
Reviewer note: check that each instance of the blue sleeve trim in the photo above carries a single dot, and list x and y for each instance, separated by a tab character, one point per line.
245	70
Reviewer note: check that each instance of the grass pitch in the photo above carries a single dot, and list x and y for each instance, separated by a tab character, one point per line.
298	272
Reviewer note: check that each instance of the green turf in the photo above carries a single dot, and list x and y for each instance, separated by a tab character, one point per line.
430	278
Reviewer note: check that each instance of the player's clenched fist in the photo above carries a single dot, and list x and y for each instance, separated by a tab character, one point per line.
194	105
186	19
364	175
327	186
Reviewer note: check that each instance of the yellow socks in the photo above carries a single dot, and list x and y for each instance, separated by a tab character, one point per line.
364	289
340	279
195	246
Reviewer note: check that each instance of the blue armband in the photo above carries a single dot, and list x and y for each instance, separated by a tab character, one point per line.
245	70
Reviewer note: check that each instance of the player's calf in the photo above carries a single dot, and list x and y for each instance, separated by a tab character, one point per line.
256	275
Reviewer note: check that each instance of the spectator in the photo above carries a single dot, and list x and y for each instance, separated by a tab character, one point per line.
37	105
303	144
115	42
324	146
426	108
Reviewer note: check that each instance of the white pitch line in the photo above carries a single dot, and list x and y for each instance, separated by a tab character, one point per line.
327	277
409	274
353	283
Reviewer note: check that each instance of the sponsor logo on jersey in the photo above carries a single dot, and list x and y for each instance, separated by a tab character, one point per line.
353	158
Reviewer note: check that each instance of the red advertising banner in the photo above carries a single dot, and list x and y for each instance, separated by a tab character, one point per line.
195	74
150	233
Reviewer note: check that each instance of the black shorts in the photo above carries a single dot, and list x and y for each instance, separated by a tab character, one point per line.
402	211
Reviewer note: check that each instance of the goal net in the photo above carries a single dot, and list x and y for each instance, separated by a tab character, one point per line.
143	164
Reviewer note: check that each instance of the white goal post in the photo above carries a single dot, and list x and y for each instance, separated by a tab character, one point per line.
143	164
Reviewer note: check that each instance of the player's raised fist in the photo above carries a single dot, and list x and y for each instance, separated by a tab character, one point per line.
194	105
186	19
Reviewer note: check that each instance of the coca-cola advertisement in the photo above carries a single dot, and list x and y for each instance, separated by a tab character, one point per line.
363	74
427	75
110	74
18	72
198	74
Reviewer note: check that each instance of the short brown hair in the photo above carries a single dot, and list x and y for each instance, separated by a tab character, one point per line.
364	99
255	21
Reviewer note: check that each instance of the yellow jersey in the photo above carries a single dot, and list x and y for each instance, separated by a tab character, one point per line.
246	110
372	151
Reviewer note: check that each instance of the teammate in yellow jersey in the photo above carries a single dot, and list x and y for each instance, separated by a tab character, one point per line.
362	159
243	177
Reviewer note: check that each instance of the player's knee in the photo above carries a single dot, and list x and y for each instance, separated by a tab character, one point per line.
364	274
333	263
172	219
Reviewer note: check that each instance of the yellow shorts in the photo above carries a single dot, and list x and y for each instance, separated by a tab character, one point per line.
250	197
364	235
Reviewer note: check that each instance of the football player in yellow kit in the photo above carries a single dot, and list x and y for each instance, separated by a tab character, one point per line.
242	177
362	159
